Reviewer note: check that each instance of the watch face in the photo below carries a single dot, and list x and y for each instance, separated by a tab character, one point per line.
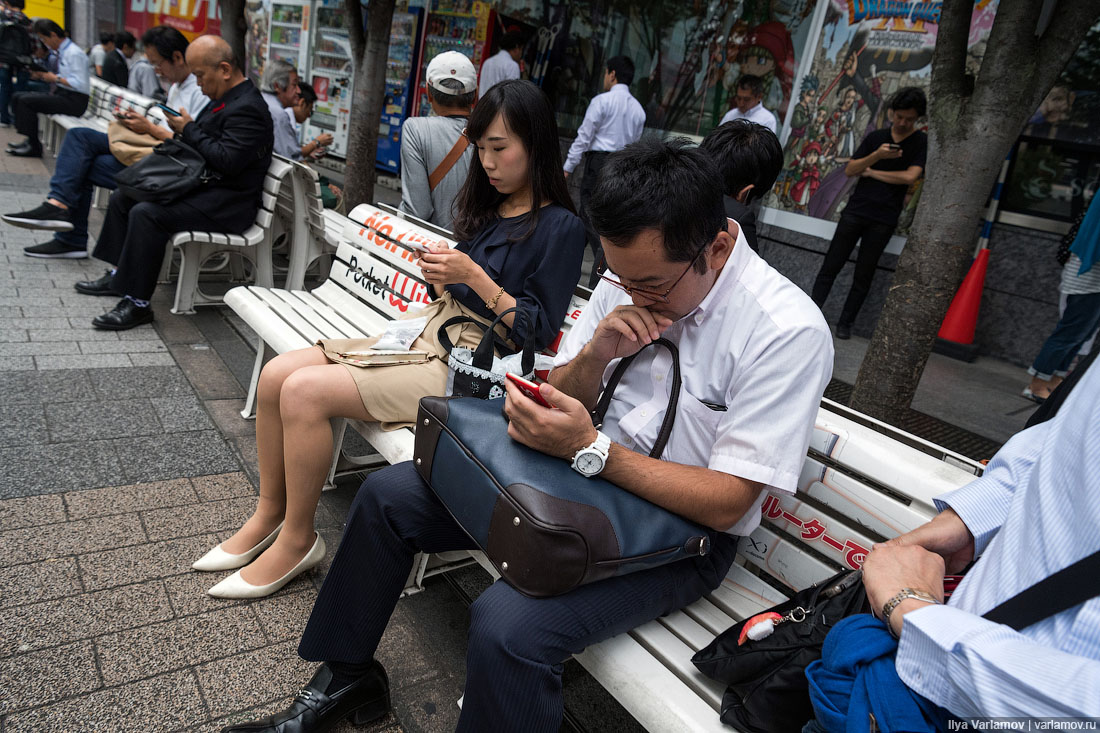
589	463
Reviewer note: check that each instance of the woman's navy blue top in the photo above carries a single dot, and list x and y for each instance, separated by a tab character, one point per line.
539	271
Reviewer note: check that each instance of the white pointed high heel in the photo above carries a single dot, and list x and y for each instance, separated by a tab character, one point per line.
237	587
219	559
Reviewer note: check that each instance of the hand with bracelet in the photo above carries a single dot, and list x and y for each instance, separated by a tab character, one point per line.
311	147
902	578
445	266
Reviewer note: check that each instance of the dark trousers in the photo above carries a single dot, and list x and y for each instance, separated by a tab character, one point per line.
517	645
135	236
593	164
11	83
27	105
1077	324
873	236
84	161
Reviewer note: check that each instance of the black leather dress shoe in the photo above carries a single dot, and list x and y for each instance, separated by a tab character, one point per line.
124	316
313	711
26	151
19	144
102	286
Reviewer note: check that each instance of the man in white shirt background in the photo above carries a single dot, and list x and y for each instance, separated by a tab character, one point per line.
612	121
748	104
85	158
280	91
503	66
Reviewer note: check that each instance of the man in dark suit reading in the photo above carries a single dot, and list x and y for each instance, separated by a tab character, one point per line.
234	134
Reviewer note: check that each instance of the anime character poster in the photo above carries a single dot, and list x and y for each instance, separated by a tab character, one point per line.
257	14
868	49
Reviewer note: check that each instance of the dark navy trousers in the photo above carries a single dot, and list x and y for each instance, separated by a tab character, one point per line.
517	645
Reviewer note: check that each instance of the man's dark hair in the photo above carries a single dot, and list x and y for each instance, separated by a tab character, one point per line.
125	39
909	98
308	95
458	99
623	68
17	4
753	83
106	37
510	40
167	41
746	154
668	186
46	27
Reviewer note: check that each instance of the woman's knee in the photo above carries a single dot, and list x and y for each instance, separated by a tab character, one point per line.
311	393
276	371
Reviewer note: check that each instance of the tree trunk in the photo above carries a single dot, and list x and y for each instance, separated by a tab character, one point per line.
973	123
369	55
234	27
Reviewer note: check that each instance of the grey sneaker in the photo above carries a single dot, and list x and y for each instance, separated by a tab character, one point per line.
54	250
44	216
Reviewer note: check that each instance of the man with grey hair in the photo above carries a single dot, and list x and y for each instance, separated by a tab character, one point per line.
280	91
435	156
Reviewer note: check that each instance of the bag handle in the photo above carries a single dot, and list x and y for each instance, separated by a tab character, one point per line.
447	163
673	400
490	342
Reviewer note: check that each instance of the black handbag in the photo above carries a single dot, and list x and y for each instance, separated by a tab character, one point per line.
472	373
546	528
767	687
173	170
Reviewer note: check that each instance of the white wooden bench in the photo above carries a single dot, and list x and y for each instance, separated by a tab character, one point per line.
103	100
862	482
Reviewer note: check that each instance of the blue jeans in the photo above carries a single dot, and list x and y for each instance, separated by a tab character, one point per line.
8	87
1077	324
85	160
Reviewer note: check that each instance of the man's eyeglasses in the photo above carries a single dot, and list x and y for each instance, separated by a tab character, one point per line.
657	296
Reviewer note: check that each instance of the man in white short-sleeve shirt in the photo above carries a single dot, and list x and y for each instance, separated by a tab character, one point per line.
503	66
749	104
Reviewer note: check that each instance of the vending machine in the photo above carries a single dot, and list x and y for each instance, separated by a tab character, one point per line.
288	32
455	26
401	70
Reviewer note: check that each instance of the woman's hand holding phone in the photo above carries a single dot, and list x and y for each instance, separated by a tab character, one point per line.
442	265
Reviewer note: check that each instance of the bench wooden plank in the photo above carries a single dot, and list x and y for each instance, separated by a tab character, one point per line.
255	311
323	318
288	314
850	497
675	655
351	307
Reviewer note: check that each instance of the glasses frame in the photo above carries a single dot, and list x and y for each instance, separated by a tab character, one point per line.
655	295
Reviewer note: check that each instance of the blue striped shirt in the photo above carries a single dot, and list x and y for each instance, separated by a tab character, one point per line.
1035	511
73	66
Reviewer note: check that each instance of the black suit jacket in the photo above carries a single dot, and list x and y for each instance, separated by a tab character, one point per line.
115	70
234	134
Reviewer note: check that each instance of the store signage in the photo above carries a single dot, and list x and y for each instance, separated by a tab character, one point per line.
192	18
899	11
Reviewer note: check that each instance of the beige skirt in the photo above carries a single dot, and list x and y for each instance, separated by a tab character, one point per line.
391	392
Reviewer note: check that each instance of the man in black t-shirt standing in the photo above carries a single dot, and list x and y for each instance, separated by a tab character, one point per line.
888	161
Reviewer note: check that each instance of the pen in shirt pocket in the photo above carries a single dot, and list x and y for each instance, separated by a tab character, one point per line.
714	406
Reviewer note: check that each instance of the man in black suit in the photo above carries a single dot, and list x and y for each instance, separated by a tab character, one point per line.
116	67
234	134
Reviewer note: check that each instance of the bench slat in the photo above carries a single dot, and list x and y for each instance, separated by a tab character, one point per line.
325	318
850	497
675	655
350	307
387	290
836	538
783	559
288	314
264	321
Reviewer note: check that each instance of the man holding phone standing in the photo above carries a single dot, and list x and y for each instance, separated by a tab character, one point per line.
888	161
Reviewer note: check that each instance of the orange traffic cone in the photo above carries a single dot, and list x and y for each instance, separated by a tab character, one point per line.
956	336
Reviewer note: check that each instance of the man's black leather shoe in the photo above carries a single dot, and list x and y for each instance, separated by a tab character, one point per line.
26	151
843	331
102	286
124	316
313	711
24	143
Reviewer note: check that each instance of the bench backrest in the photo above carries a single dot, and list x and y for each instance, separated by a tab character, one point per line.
104	99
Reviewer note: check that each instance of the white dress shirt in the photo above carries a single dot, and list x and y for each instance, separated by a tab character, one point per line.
497	69
286	139
757	114
757	346
1034	511
612	121
188	96
72	66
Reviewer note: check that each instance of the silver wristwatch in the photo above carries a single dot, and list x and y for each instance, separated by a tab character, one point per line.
905	594
589	461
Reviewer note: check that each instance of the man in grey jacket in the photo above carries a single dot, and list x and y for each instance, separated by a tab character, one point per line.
434	147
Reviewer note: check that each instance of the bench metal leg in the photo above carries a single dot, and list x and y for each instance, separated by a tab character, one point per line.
338	425
188	282
236	269
263	353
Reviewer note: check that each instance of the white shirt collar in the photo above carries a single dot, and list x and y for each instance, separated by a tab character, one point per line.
620	87
735	263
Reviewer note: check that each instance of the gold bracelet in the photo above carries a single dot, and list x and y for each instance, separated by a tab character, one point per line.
492	302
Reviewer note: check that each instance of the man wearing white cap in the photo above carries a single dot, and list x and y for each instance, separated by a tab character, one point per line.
435	156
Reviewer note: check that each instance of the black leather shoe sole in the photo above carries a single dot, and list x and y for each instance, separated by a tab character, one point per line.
25	153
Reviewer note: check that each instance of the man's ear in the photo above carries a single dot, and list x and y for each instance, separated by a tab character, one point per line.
743	195
720	250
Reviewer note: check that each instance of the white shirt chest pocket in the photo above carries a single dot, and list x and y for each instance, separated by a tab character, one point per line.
694	433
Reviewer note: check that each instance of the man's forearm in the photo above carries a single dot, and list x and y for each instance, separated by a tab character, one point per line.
580	378
857	166
896	177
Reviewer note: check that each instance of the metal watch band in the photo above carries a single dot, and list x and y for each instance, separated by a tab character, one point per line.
904	594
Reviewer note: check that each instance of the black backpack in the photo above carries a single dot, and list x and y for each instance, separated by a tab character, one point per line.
15	44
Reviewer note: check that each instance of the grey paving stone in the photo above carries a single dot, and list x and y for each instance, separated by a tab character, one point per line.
223	486
78	421
188	593
83	361
139	563
52	623
28	544
17	363
154	458
212	516
38	348
127	708
141	333
182	642
151	360
181	414
71	335
46	676
23	425
31	511
48	300
22	323
247	680
13	335
10	311
120	384
45	386
89	310
132	498
429	706
209	375
41	469
134	346
39	581
227	416
177	329
283	617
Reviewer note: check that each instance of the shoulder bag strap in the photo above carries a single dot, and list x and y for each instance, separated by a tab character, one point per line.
673	400
447	163
1065	589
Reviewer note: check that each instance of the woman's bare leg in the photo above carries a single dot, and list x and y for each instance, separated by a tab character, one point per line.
269	446
310	397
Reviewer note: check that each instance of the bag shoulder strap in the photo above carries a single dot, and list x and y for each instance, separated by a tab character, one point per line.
673	400
447	163
1065	589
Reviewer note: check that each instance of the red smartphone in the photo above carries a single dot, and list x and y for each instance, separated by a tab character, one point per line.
528	388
